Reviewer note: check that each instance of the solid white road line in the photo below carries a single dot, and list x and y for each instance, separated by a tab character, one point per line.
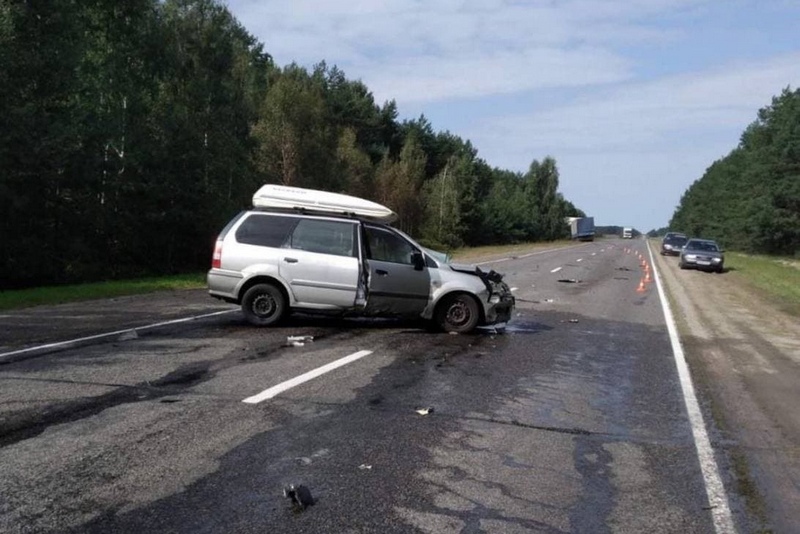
556	269
715	490
67	344
305	377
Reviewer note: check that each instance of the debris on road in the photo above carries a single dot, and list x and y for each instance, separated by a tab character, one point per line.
299	495
424	411
549	300
298	341
364	466
570	281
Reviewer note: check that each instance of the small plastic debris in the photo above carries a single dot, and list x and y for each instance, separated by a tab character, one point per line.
298	341
365	466
549	300
453	333
424	411
569	281
573	320
300	496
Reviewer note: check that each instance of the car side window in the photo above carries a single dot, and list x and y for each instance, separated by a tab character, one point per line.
384	245
324	237
265	230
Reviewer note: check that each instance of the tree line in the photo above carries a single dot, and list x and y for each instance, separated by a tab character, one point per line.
131	132
750	199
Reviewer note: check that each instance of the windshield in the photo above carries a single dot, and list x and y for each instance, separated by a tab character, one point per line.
703	246
440	257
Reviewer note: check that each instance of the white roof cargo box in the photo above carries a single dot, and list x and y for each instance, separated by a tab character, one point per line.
295	198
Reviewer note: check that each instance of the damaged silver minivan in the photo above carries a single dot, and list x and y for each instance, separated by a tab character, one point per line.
272	262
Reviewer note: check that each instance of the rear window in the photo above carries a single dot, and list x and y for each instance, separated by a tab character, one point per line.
265	230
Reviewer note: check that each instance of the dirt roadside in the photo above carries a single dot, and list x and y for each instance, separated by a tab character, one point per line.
744	355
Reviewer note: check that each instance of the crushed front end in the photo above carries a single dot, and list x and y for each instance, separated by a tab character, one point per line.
501	300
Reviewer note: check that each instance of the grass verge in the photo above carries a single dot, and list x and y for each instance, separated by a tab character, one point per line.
488	252
24	298
776	278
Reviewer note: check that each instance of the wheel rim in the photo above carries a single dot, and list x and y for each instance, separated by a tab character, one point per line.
458	313
264	305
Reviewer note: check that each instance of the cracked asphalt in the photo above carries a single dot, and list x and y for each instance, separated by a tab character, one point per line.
571	420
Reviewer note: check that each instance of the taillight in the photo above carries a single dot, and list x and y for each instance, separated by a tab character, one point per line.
216	259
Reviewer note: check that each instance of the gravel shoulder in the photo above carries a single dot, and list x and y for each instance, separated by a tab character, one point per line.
744	354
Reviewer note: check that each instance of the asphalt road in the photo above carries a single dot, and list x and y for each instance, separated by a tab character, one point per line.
572	420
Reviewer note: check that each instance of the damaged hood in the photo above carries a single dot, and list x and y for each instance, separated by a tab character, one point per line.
490	276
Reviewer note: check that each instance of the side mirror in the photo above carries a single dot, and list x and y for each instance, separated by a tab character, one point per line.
418	260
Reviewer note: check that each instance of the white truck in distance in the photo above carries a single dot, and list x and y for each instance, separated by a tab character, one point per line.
627	233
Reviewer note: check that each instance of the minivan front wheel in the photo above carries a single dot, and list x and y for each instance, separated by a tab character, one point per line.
263	305
458	313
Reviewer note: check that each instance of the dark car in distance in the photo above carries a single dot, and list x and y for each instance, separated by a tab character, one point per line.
672	244
703	254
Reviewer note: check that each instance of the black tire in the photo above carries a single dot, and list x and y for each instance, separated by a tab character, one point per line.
681	265
263	305
458	313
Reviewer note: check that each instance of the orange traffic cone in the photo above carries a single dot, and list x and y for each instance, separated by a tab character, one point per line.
647	276
641	288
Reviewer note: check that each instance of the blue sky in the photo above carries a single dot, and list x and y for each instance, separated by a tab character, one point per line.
633	98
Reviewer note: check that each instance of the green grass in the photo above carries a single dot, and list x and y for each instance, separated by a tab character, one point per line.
777	278
472	253
24	298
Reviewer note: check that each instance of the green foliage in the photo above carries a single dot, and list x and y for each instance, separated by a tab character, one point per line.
23	298
130	132
750	199
778	278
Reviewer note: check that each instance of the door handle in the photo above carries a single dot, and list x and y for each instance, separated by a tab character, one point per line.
290	260
381	272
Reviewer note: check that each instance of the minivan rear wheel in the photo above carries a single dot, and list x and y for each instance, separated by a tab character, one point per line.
458	313
263	305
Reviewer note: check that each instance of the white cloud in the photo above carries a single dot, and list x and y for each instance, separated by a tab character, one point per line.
616	148
628	137
424	51
646	115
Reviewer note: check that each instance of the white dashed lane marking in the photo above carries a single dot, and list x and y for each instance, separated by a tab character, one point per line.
305	377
